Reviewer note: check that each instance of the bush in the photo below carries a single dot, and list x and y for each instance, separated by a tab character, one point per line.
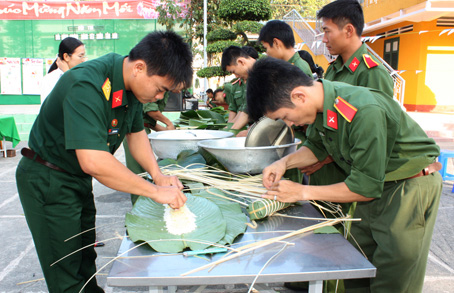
220	34
247	26
236	10
212	71
219	46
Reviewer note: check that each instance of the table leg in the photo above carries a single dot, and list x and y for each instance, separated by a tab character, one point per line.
4	147
315	286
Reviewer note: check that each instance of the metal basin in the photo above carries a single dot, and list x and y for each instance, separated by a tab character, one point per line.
168	144
237	158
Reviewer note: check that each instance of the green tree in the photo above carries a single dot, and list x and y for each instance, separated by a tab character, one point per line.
169	14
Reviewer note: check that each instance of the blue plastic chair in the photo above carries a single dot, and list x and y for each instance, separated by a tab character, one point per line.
443	159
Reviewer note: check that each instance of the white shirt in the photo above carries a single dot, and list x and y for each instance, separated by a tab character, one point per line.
49	82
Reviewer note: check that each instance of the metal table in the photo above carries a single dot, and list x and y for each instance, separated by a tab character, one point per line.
313	258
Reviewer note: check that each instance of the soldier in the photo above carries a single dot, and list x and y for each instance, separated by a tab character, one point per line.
389	161
277	38
342	24
238	61
83	122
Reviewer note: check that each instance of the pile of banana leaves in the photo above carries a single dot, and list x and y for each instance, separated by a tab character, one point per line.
213	119
218	220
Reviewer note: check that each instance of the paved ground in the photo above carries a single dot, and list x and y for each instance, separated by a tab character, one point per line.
20	270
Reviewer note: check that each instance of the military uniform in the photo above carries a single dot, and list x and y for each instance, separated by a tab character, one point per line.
149	122
360	70
380	148
301	64
237	100
89	108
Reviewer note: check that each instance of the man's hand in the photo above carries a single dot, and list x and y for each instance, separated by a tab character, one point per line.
285	191
164	180
273	173
169	191
317	166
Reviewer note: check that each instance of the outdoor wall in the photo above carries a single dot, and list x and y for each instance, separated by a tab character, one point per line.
36	39
426	62
375	9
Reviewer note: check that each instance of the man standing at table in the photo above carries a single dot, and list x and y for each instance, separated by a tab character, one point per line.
342	24
277	38
389	161
79	128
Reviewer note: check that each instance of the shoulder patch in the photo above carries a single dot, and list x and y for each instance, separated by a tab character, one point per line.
370	63
354	64
345	109
117	99
106	88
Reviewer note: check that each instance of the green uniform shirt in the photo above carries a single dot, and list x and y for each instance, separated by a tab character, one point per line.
381	143
376	77
83	113
159	105
301	64
238	97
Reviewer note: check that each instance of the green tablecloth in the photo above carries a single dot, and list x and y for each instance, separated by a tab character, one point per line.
8	130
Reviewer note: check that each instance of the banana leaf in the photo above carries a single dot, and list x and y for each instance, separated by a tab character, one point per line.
146	223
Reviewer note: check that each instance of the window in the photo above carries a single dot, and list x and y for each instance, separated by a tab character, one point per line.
391	52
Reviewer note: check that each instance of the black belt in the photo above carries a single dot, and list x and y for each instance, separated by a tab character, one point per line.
26	152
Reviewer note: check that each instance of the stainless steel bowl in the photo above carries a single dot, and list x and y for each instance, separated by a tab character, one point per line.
168	144
237	158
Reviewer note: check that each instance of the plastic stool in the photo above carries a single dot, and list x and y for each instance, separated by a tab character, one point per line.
443	159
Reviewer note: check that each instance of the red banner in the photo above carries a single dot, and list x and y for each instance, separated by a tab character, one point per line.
84	10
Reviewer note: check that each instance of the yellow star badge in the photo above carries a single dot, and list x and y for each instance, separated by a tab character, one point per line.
106	88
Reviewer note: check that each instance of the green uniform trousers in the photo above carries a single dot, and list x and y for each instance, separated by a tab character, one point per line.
395	234
57	206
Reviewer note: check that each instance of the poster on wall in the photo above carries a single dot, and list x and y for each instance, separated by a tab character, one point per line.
48	64
10	81
32	75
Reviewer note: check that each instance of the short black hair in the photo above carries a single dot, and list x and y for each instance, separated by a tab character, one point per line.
166	54
270	84
217	91
279	30
231	54
209	91
251	51
342	12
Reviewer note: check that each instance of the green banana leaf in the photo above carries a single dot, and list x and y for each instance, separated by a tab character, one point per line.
146	223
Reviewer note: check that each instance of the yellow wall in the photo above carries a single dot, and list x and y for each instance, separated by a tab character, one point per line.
375	9
428	61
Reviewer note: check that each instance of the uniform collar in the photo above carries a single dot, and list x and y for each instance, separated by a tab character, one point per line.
339	65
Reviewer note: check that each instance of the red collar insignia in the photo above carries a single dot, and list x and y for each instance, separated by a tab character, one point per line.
354	64
331	119
117	99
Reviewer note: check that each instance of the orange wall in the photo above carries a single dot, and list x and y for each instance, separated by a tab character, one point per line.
375	9
424	90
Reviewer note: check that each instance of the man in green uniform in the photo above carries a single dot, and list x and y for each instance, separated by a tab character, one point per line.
277	38
152	113
342	23
80	126
389	162
238	61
